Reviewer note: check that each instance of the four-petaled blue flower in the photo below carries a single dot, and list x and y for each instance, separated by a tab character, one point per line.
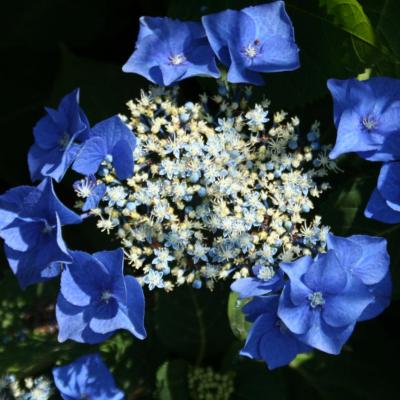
86	378
384	204
96	299
367	117
253	40
322	301
109	140
269	339
169	50
55	146
367	259
31	220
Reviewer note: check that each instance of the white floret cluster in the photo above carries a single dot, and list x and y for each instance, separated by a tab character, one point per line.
219	187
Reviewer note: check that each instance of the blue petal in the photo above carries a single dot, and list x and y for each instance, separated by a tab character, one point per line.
84	279
22	235
45	204
366	257
249	287
296	269
326	274
260	305
345	308
378	209
323	337
296	317
113	130
90	156
123	160
389	184
382	293
11	203
135	306
73	323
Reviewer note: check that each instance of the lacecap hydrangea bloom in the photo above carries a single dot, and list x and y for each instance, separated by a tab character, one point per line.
214	194
96	299
169	50
57	138
86	378
253	40
367	117
31	220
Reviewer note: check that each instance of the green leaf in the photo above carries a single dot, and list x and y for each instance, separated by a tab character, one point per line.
172	381
240	327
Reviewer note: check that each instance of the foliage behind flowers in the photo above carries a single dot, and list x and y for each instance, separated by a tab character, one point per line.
200	191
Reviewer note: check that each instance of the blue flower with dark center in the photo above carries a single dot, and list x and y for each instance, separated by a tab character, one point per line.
269	339
169	50
367	117
322	301
367	259
90	191
384	204
96	299
55	146
31	220
109	140
86	378
253	40
267	280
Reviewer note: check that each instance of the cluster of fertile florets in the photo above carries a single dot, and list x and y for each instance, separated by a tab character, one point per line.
219	187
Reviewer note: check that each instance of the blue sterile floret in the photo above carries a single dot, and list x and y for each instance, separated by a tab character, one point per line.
56	136
90	191
367	117
86	378
269	339
169	50
384	204
31	220
253	40
109	140
325	296
96	299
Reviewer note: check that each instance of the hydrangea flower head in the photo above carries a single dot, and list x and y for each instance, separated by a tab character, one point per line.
384	204
31	228
55	146
169	50
96	299
367	259
367	117
253	40
109	140
322	301
86	378
269	339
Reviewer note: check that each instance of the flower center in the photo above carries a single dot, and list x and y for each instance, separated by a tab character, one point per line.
251	50
47	228
177	59
64	140
316	299
369	123
106	296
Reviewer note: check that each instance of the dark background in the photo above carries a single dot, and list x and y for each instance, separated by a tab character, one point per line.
49	47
